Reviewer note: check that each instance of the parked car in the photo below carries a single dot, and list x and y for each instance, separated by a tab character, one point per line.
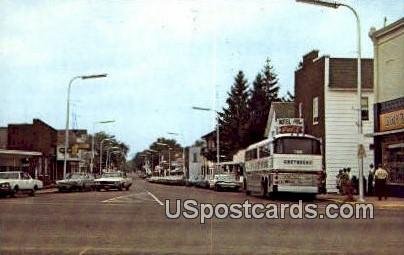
76	181
19	182
5	189
225	182
113	180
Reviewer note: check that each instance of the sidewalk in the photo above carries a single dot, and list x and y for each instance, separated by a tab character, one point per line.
391	202
46	190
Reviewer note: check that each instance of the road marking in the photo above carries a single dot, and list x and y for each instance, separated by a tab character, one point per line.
115	198
155	198
84	251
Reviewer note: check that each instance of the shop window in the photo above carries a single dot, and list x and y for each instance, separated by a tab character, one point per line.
365	108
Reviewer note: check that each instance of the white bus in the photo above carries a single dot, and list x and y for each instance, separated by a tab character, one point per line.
284	163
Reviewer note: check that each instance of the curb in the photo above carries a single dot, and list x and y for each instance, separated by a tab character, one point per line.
386	206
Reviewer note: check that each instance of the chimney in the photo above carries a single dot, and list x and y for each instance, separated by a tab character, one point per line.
309	57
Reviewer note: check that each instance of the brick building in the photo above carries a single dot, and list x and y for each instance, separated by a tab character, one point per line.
37	137
326	98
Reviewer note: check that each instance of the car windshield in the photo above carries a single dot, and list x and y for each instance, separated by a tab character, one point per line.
8	175
112	175
75	176
225	177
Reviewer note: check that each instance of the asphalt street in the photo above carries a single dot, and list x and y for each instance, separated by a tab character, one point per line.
134	222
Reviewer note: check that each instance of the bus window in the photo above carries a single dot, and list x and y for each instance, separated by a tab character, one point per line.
251	154
297	145
264	151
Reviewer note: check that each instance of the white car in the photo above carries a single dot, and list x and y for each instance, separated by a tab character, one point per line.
20	182
113	180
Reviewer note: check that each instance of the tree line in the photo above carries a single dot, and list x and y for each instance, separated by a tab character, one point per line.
243	119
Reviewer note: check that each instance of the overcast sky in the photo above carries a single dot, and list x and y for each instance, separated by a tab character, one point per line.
162	57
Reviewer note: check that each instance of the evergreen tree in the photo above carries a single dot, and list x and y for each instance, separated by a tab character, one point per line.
265	91
234	117
288	97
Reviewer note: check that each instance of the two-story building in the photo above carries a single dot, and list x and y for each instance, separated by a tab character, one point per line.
326	98
389	102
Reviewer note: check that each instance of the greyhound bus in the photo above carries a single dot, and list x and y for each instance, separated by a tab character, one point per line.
285	162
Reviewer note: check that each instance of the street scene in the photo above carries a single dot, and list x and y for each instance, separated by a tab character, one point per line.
202	127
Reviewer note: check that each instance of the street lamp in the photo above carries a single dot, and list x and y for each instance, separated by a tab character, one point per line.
102	141
114	152
169	155
108	151
92	141
361	150
217	131
151	151
83	77
183	149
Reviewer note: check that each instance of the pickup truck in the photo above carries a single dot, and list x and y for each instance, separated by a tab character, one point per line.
113	180
14	182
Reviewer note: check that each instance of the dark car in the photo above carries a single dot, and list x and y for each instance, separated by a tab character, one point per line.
76	182
5	189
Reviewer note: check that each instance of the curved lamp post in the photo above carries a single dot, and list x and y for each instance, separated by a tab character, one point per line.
83	77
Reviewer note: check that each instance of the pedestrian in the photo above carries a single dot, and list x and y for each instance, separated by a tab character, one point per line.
381	175
344	181
370	180
339	177
355	184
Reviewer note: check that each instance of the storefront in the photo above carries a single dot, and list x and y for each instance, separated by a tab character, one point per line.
389	141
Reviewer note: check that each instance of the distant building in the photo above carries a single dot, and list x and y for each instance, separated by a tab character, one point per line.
195	162
389	104
278	110
78	153
326	98
36	138
208	151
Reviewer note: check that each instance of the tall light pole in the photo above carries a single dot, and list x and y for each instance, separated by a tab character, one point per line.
151	151
108	151
92	141
183	150
83	77
169	154
361	149
217	131
101	143
114	152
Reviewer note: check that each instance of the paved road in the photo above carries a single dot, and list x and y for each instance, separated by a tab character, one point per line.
132	222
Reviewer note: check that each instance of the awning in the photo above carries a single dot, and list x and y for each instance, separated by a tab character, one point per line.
20	153
396	146
385	133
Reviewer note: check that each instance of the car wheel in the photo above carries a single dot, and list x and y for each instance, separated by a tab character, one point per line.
264	191
120	187
127	188
15	191
97	189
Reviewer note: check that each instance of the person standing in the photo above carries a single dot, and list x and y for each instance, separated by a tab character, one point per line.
370	180
380	182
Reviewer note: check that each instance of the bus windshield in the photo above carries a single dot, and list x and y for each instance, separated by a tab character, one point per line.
297	145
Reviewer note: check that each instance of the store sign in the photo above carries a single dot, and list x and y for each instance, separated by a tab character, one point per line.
289	125
392	120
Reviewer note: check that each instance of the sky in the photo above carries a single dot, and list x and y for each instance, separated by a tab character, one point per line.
161	57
